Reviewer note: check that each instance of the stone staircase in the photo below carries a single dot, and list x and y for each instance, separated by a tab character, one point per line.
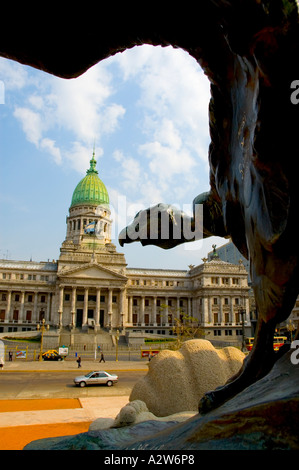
88	341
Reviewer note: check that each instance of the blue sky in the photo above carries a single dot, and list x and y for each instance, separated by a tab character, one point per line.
145	109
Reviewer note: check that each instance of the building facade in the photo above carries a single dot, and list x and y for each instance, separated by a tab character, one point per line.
90	286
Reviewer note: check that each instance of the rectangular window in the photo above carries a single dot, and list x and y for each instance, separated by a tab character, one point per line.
217	332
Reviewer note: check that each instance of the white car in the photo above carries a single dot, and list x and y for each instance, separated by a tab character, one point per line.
96	378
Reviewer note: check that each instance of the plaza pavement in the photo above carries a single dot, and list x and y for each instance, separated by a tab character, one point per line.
89	408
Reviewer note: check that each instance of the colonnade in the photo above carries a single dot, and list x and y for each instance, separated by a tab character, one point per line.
226	313
106	307
25	311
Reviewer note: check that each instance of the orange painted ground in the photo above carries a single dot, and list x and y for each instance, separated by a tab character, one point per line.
44	404
16	437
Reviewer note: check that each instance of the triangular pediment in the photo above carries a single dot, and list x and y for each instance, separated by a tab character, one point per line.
92	271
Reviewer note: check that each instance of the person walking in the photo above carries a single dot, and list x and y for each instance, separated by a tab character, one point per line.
102	358
79	361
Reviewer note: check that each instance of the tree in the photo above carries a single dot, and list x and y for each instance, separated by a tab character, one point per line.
186	327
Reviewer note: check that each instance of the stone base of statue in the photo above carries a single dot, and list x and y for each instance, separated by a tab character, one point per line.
265	416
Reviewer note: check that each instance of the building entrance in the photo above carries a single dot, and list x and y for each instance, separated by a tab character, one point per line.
79	318
102	312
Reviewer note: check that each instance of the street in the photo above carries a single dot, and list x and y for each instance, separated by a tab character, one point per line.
30	384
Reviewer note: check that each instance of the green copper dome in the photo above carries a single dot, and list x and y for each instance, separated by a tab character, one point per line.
90	190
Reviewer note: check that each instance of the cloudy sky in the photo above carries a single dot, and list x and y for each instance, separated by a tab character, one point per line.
146	112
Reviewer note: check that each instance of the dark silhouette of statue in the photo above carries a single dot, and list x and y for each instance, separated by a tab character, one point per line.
249	51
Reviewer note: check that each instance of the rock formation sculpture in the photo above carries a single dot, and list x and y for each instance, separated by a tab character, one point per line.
189	373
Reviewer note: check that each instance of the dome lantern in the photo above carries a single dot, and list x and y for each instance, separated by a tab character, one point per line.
91	189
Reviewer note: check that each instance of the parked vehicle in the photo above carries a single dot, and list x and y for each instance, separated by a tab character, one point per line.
96	378
52	355
278	341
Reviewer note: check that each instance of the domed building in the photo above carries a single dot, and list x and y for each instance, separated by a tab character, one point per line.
90	289
89	208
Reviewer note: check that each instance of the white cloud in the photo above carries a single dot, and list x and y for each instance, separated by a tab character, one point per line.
49	145
81	104
169	139
173	102
13	75
79	156
130	170
31	122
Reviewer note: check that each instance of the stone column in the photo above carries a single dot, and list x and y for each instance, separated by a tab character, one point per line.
35	313
221	319
85	308
189	307
98	306
211	320
232	318
110	311
142	310
122	307
247	307
49	307
154	311
8	306
177	308
60	307
130	313
205	311
73	307
21	317
166	312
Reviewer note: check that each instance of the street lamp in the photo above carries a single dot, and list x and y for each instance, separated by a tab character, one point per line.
291	327
116	339
42	329
243	313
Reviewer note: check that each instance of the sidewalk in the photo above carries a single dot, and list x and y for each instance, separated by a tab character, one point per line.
17	428
21	365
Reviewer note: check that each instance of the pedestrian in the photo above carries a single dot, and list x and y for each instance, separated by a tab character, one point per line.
79	361
1	363
10	356
102	358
